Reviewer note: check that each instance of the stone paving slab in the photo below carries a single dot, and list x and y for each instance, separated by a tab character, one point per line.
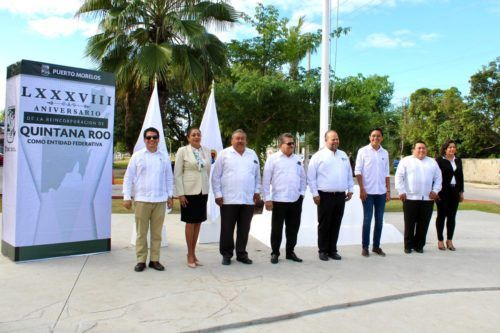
436	291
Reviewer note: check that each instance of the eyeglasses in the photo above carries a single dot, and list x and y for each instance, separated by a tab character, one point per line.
289	144
152	137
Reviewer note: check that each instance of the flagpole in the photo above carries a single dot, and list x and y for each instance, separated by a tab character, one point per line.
325	73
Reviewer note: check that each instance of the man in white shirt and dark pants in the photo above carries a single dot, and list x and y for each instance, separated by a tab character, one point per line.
329	176
284	173
236	187
372	173
149	181
418	181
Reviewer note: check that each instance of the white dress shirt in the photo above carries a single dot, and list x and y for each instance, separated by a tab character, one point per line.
417	178
373	166
148	177
235	177
286	176
329	171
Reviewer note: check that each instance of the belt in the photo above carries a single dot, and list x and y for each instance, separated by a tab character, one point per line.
334	193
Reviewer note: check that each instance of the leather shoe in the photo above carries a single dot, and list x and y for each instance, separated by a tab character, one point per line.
419	250
274	258
323	256
365	253
156	265
407	251
292	256
226	261
245	260
378	251
335	256
140	267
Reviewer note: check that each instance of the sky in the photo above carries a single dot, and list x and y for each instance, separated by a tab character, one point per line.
417	43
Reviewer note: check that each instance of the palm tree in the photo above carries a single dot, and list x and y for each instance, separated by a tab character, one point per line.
298	45
164	40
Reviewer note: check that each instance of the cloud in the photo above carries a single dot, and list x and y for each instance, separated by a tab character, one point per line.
383	41
54	27
430	36
402	32
41	7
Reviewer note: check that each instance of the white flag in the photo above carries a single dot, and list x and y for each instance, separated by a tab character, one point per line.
211	138
152	119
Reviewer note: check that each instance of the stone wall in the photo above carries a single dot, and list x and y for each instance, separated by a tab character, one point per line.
482	170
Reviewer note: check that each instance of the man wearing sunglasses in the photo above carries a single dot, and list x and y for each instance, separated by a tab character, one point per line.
149	181
284	174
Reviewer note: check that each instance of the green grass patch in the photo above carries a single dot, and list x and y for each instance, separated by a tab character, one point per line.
121	164
117	207
396	206
391	206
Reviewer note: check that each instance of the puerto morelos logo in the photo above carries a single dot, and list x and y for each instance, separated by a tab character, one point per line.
10	123
45	70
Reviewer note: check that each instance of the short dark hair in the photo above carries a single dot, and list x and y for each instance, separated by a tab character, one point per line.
150	129
285	135
239	130
445	146
419	141
376	129
329	131
190	129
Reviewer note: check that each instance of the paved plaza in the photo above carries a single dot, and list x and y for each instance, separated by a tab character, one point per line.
438	291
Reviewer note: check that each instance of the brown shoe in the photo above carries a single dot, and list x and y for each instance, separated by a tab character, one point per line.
156	265
365	253
449	245
139	267
378	251
441	246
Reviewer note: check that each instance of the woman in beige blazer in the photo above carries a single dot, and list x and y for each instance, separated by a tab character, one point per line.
191	174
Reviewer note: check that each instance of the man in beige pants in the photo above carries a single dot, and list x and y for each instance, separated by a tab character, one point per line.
149	181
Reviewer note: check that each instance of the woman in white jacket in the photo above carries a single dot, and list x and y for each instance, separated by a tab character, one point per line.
191	174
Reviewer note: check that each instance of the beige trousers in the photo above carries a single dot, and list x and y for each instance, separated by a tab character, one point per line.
148	215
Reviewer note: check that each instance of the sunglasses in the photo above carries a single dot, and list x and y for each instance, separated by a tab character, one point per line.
289	144
152	137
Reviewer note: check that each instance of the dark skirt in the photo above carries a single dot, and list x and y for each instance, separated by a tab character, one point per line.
196	209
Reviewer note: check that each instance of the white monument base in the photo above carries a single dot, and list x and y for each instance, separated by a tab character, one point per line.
210	231
350	230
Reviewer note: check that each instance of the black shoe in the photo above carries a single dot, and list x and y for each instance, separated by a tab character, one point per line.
156	265
226	261
274	258
140	267
378	251
292	256
335	256
419	250
245	260
364	252
407	251
323	256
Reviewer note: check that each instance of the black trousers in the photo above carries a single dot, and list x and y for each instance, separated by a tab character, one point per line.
447	208
330	213
289	214
417	215
231	216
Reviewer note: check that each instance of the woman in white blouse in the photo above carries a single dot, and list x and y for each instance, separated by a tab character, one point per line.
191	174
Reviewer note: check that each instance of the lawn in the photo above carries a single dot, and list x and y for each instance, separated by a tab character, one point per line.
391	206
396	206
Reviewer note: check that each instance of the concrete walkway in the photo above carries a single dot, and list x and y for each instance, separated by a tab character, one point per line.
438	291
